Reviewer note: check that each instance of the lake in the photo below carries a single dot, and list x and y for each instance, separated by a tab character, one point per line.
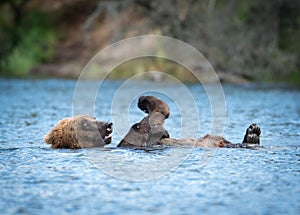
36	179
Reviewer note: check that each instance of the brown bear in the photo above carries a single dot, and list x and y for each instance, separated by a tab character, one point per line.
150	129
251	140
79	132
150	132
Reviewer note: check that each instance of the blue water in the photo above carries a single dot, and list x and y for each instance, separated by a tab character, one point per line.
35	179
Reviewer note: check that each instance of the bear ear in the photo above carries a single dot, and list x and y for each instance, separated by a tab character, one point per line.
53	138
48	138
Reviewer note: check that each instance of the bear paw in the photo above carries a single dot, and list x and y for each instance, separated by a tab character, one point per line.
252	134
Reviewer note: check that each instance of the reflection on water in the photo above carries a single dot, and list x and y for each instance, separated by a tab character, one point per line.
38	180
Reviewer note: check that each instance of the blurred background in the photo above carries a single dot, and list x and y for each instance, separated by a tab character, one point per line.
243	40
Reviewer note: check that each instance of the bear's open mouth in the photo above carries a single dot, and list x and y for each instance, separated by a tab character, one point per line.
107	136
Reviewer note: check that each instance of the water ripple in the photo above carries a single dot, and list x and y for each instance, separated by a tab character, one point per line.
35	179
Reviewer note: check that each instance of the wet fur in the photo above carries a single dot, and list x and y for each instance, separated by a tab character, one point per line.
150	131
78	132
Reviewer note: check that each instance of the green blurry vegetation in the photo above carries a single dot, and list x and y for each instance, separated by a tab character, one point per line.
255	39
146	68
25	41
136	68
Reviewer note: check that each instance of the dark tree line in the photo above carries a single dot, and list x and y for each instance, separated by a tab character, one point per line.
258	39
255	38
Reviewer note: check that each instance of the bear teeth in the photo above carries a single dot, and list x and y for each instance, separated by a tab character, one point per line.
107	137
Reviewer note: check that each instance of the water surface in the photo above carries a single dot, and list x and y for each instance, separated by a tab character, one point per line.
38	180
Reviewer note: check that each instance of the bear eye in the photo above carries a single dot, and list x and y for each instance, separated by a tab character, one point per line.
136	126
84	123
